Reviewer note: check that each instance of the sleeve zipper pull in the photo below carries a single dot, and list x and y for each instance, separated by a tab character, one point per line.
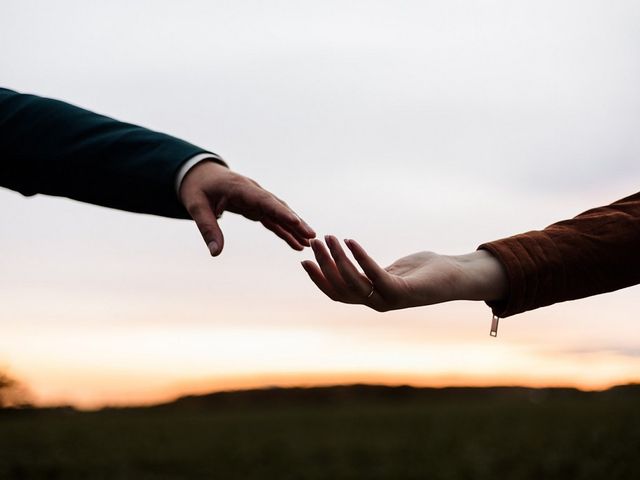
494	326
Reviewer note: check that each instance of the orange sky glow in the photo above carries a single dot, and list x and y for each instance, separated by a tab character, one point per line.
407	126
95	366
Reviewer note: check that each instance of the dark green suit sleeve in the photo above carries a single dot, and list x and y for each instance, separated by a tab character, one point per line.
51	147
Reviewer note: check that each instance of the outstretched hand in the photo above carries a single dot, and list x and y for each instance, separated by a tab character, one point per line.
209	189
422	278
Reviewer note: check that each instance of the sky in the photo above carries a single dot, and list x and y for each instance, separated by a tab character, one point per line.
407	125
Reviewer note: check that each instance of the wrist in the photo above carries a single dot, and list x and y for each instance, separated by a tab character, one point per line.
482	277
192	162
198	175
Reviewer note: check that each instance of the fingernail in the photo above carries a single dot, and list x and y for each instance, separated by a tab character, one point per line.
213	247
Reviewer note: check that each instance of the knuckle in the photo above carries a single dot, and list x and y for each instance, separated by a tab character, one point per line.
238	186
234	189
270	207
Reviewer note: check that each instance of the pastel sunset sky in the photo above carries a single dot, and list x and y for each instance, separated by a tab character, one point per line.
411	125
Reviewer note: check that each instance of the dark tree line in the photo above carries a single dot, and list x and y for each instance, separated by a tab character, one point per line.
12	392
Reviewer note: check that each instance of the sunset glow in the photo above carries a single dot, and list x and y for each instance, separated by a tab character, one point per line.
98	365
432	126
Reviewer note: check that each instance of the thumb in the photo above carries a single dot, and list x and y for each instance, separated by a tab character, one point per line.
207	223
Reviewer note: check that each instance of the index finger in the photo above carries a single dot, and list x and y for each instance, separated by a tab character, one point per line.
282	214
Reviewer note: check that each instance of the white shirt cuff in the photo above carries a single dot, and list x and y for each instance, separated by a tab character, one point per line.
192	162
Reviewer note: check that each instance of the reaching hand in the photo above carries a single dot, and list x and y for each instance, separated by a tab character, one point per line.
209	189
423	278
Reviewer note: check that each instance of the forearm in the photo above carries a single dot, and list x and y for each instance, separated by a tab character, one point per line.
480	277
55	148
595	252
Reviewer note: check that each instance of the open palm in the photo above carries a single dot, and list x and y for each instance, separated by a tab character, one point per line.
422	278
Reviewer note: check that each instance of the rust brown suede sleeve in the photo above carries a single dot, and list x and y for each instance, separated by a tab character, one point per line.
598	251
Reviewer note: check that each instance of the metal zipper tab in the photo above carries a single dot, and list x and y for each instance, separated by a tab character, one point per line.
494	326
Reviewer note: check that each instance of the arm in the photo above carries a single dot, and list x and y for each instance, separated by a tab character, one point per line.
54	148
595	252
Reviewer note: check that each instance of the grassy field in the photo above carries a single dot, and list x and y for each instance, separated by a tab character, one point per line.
336	433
